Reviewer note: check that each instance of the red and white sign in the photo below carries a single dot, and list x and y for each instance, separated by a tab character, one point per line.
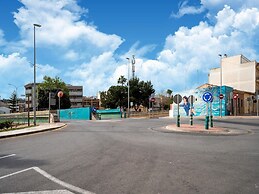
60	94
221	96
235	96
152	99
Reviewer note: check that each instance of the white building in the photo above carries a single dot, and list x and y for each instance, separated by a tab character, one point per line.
237	72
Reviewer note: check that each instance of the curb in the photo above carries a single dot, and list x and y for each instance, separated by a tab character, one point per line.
226	132
31	132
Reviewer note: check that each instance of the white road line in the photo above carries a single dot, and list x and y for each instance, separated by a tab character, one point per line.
51	178
18	172
62	183
7	156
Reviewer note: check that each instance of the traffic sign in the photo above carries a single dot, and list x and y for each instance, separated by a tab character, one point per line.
235	96
177	99
221	96
207	97
60	94
152	99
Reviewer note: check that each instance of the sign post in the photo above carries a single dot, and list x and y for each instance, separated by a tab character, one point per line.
178	100
60	94
211	116
235	97
191	100
257	103
207	97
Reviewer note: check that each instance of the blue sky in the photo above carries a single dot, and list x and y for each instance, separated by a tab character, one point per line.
86	42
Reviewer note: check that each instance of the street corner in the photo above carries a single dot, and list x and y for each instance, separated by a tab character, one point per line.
31	130
200	129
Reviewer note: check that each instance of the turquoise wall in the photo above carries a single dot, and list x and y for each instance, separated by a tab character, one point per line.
109	114
76	114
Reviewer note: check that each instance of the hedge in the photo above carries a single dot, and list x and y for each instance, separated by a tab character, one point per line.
6	124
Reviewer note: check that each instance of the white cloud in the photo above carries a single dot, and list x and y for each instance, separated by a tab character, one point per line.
237	5
189	53
61	26
17	70
185	9
95	75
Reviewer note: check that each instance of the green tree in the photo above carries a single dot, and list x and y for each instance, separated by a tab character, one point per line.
140	92
13	101
53	85
122	80
116	96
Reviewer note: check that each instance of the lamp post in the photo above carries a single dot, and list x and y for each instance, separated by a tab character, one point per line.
128	86
133	72
34	75
220	89
16	101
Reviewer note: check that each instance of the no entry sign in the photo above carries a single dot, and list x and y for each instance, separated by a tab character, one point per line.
221	96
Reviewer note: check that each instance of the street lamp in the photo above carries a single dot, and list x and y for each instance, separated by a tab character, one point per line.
16	103
34	75
128	86
220	89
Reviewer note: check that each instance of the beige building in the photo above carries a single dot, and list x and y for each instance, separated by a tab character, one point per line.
237	72
242	75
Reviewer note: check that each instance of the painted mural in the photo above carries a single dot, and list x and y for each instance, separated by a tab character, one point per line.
199	107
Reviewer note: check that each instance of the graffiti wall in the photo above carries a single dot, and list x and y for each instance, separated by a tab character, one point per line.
199	107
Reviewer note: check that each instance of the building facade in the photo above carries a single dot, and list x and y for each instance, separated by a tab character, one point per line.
238	72
29	96
91	102
75	96
242	75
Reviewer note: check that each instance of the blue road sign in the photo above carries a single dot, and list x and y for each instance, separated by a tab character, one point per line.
207	97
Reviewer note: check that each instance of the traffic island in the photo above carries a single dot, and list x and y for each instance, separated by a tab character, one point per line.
200	129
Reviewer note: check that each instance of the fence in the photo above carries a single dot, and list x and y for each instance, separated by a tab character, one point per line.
22	118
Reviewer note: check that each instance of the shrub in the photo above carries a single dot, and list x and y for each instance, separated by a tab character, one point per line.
6	124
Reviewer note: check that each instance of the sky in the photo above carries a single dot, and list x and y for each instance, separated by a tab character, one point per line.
86	42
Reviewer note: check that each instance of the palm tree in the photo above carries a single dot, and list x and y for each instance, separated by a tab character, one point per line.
122	80
169	92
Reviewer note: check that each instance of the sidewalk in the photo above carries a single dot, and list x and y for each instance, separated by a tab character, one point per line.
42	127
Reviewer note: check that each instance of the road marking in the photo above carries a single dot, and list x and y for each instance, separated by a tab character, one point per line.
51	178
18	172
62	183
7	156
44	192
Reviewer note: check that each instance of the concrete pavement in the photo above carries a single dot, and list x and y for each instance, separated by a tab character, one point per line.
40	128
126	156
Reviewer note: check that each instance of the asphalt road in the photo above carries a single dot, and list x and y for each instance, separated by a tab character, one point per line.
127	156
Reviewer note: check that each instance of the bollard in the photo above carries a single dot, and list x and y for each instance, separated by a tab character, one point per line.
211	121
191	120
178	120
207	122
